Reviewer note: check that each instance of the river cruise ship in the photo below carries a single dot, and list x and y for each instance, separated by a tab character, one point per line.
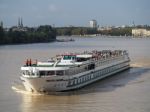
70	71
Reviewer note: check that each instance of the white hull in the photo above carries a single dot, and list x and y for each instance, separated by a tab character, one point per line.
63	83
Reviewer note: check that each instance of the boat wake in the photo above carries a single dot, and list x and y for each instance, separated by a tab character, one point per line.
21	89
140	64
136	65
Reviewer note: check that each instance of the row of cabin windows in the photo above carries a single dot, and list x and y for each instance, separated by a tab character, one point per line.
80	80
75	71
110	69
90	67
45	73
89	76
48	73
97	74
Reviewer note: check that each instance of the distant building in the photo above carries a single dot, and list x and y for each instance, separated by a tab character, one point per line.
1	24
140	32
20	22
20	26
93	24
107	28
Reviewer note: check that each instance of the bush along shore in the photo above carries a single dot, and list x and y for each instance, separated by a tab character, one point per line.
141	30
23	35
82	31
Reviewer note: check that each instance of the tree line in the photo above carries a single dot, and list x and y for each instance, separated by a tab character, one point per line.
46	33
120	31
89	31
40	34
127	31
75	31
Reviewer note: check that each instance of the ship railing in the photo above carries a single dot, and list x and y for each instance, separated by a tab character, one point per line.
79	68
106	61
83	68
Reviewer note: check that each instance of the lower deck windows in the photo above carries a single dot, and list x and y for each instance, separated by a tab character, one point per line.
60	72
96	74
51	73
42	73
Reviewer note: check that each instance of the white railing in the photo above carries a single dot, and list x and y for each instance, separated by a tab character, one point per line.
82	68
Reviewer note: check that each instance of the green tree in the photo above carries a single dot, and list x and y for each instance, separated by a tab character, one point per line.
2	38
41	34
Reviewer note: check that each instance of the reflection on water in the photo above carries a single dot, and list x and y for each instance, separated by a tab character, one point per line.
127	91
48	103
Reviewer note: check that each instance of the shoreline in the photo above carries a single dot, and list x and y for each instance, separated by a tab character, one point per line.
101	36
78	36
27	43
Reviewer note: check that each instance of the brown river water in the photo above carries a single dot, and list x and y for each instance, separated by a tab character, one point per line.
128	91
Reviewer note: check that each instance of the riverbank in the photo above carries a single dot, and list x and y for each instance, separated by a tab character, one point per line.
25	35
98	36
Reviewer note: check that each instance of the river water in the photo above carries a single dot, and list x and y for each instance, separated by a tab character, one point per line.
128	91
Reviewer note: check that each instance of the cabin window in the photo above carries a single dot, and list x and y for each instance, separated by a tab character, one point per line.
83	78
75	81
73	57
78	80
60	72
51	73
91	66
42	73
26	72
67	58
71	83
82	59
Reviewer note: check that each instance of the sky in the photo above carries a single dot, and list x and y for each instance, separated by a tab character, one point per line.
75	12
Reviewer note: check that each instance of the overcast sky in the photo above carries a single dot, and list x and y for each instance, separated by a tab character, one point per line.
74	12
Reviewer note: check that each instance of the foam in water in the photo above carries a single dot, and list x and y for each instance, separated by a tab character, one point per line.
20	89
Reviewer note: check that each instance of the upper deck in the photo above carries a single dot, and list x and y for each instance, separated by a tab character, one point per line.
73	63
73	59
